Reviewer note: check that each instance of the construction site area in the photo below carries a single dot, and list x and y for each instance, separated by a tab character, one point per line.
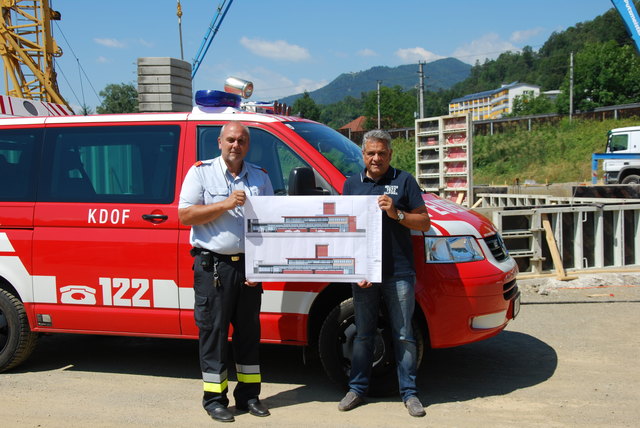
179	212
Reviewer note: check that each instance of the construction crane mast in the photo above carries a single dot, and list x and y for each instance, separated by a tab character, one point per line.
28	49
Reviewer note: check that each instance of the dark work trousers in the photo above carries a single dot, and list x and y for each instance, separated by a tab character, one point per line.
217	306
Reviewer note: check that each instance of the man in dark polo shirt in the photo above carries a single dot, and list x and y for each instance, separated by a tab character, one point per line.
403	210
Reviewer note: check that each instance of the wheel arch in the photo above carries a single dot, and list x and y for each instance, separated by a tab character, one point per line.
332	295
625	172
6	285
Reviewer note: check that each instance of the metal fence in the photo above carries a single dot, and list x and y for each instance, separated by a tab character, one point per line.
548	235
493	126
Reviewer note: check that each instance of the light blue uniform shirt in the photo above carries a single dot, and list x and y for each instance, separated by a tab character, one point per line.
209	181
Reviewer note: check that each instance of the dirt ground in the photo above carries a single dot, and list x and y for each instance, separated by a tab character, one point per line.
569	359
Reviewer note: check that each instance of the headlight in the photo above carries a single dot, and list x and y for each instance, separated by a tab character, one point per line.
452	249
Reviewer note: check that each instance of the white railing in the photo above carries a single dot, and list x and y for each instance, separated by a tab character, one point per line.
544	233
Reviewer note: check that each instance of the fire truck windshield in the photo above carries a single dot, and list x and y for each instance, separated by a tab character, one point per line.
343	153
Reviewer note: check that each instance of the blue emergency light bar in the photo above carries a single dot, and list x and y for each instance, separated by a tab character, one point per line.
213	98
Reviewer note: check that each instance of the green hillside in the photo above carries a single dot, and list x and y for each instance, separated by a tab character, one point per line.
550	153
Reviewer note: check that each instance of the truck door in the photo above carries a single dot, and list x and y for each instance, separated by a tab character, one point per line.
20	147
621	142
106	229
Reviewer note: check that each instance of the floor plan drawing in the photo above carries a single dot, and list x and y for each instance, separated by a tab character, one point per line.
313	238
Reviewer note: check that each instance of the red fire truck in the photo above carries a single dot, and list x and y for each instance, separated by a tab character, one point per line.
90	240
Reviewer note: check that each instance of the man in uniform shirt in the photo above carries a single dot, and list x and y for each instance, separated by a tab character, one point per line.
403	210
211	202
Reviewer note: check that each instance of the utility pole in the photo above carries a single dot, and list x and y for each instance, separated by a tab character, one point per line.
571	87
421	89
179	13
379	82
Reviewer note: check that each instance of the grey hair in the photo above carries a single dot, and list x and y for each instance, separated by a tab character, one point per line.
377	135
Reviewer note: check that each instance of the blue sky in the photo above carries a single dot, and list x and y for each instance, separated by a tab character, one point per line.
286	47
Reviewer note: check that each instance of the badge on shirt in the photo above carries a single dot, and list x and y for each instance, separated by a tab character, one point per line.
390	190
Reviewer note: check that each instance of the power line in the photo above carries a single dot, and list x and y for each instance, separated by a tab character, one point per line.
82	71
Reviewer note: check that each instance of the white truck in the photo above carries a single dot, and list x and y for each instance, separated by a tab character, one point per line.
624	170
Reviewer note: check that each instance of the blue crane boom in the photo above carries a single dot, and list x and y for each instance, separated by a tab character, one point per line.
210	34
629	14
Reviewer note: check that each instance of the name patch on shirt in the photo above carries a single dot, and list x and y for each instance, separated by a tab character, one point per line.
390	190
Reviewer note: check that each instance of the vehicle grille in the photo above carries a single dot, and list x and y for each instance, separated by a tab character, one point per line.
509	290
497	247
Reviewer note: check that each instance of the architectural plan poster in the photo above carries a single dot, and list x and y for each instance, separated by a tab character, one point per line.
313	238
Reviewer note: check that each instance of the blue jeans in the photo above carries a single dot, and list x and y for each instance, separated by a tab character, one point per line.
398	294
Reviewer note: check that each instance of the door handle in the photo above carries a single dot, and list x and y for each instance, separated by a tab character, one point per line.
155	218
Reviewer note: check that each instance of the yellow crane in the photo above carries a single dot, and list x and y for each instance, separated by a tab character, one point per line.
28	49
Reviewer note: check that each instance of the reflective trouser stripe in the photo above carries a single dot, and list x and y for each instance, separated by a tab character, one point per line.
248	374
249	378
215	387
214	382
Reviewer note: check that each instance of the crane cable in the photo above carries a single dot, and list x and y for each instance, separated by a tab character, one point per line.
81	71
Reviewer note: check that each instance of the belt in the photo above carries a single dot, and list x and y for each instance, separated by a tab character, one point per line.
227	257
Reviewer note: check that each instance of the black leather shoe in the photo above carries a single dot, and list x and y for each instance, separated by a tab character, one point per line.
255	407
220	414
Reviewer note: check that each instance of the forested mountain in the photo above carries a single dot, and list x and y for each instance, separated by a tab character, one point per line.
606	72
440	74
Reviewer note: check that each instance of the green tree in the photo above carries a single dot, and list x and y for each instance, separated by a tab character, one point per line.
85	110
118	98
339	114
604	74
306	107
527	105
397	108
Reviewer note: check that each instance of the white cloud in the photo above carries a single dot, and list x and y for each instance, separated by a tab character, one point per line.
416	54
488	46
146	43
278	49
103	60
367	52
110	43
524	35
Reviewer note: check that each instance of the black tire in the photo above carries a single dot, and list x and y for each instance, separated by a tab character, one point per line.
631	179
17	341
336	343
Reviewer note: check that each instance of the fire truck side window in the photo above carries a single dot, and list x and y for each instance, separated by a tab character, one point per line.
130	164
267	151
19	150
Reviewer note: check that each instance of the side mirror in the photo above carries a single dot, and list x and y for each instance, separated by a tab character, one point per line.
302	181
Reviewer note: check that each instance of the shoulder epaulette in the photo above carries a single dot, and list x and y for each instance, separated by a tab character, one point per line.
260	168
202	162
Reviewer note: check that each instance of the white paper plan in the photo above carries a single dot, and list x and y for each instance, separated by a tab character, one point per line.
313	238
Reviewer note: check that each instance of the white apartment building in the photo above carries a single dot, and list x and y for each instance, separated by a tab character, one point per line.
492	104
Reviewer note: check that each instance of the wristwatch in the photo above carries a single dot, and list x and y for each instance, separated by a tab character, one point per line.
400	216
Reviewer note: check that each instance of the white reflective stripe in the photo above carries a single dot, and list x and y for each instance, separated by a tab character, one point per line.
12	269
490	320
187	298
165	294
214	377
44	289
276	301
457	227
293	302
5	244
255	369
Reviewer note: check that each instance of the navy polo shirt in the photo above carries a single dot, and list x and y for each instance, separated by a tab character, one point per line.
397	250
